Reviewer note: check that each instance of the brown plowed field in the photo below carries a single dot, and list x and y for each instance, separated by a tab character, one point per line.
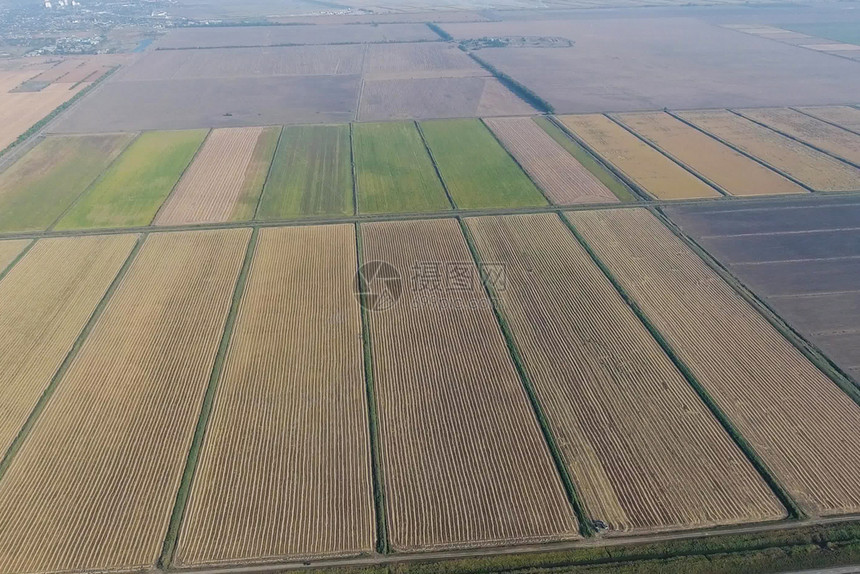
9	250
797	420
421	60
651	170
463	457
732	171
644	452
811	167
109	449
285	470
845	116
563	179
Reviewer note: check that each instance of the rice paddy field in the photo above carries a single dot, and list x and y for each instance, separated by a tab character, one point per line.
9	251
843	116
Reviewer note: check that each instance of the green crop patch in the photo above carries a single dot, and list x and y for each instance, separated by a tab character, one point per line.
394	172
134	187
37	189
311	174
478	171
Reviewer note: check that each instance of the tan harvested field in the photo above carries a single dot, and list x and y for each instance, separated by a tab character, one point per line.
845	116
644	452
732	171
222	180
563	179
822	135
45	302
463	457
20	110
811	167
9	250
109	449
285	470
648	168
419	60
796	419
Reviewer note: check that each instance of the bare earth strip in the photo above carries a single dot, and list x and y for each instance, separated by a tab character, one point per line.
845	116
565	180
643	450
464	460
797	420
811	167
9	250
731	170
109	449
645	166
285	470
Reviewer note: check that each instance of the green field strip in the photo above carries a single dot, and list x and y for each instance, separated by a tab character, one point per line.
310	173
16	444
257	174
134	187
352	170
793	509
585	526
168	548
380	506
617	183
394	171
435	166
268	175
477	170
178	179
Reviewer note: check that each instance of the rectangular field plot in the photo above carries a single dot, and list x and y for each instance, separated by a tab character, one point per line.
732	171
45	302
36	190
611	394
394	172
563	179
419	60
648	168
285	470
845	116
478	172
821	135
9	250
463	457
110	446
811	167
19	111
225	179
310	175
130	192
795	418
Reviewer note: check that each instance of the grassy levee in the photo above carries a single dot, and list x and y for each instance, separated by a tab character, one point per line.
794	510
435	165
70	356
352	170
440	32
585	526
524	93
372	416
169	546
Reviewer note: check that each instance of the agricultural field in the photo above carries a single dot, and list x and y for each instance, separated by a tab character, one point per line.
844	116
786	408
808	166
733	172
646	167
818	134
477	171
394	172
291	403
140	374
21	110
310	175
449	400
225	180
419	60
564	180
133	188
9	250
40	186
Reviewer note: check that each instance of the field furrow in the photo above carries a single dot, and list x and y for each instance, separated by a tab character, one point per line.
464	460
802	426
9	250
109	449
285	470
845	116
642	449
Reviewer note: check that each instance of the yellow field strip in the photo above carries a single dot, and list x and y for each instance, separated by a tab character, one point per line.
811	167
732	171
645	166
9	250
464	460
642	449
93	485
285	470
845	116
801	425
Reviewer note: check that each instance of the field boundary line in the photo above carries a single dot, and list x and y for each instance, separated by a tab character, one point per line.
586	529
354	174
437	29
380	506
834	124
181	177
268	174
549	202
360	95
435	166
40	405
517	88
793	510
8	268
171	538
